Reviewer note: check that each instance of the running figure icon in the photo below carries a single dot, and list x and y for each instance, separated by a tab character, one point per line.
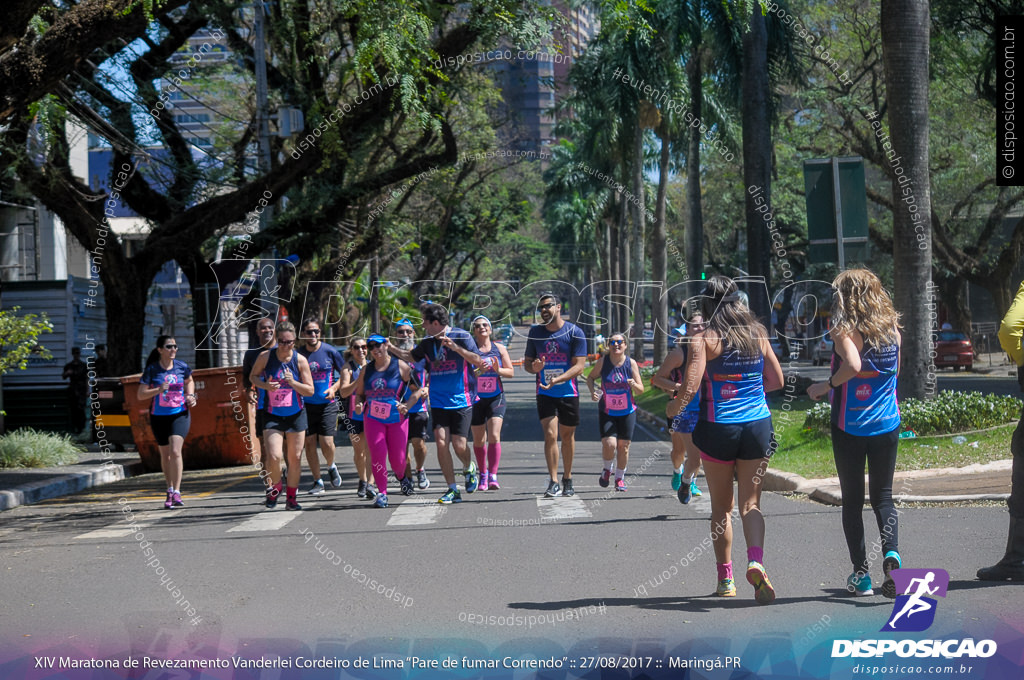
915	608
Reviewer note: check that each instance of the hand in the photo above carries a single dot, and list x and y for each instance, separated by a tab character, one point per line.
402	408
448	342
359	408
329	394
254	398
595	395
817	391
191	399
165	386
287	376
537	365
273	385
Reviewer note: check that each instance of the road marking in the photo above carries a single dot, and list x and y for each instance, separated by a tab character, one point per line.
126	528
266	521
417	511
562	508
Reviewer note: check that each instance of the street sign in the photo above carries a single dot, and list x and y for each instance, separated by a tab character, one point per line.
837	210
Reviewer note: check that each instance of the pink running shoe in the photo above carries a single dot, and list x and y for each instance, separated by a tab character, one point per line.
176	500
493	486
169	503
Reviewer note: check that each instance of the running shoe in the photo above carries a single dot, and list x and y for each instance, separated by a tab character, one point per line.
677	479
726	588
381	501
605	478
493	486
406	485
694	489
292	504
335	476
169	503
892	561
176	500
860	585
472	478
361	491
756	576
620	485
317	488
553	490
684	493
450	496
567	489
371	491
421	480
272	494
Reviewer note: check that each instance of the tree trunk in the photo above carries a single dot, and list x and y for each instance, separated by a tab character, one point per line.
625	288
952	291
639	227
695	225
659	252
756	153
905	32
125	293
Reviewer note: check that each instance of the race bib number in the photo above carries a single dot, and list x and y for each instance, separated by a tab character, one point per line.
487	384
281	397
616	402
381	410
550	374
174	397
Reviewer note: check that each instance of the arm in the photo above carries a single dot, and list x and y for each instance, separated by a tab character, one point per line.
661	379
469	357
847	350
257	370
505	370
403	354
414	394
190	391
771	374
146	392
531	364
637	383
695	367
579	364
592	378
303	386
348	385
1011	328
359	389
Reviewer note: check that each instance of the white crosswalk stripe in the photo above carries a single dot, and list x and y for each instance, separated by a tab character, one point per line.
125	528
421	510
562	508
266	521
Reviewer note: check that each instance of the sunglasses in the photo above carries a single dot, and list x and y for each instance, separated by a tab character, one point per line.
373	345
170	347
541	308
480	325
286	342
616	342
405	332
313	331
359	347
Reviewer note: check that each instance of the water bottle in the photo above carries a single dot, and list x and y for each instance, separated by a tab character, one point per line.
959	439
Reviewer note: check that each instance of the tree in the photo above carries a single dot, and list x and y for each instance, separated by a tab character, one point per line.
905	32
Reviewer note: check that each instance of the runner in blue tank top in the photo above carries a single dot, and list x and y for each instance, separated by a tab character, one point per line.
620	378
284	374
355	360
451	357
734	433
556	352
325	365
865	417
489	410
681	423
256	397
379	391
169	383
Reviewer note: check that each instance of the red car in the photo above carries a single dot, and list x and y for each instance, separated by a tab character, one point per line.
953	348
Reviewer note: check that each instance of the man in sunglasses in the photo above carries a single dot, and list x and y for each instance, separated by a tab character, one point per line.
556	352
325	365
449	353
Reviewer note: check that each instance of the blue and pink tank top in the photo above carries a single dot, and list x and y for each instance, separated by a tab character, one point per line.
733	389
866	404
173	400
488	383
617	399
382	390
284	401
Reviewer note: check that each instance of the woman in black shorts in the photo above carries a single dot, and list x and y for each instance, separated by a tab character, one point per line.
170	382
620	378
489	411
284	425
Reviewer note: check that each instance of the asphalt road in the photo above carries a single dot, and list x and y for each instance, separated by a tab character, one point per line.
490	577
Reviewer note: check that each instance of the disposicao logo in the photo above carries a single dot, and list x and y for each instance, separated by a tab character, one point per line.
914	611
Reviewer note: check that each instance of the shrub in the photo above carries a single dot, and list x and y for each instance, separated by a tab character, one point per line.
27	448
948	412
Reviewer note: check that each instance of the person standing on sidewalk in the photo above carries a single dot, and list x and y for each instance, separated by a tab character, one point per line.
620	378
685	456
556	352
325	365
489	410
1011	566
76	372
865	416
170	381
734	364
449	352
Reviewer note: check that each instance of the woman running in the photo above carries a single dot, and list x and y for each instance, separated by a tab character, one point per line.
734	364
489	411
865	416
681	422
620	378
355	361
379	387
170	381
284	424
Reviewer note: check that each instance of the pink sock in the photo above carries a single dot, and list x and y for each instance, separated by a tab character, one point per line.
279	486
481	457
724	570
493	457
755	554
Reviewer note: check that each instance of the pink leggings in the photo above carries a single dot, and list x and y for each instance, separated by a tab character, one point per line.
387	442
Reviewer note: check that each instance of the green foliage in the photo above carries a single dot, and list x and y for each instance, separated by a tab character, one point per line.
28	448
20	334
949	412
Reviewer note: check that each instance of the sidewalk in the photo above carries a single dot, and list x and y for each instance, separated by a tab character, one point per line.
26	486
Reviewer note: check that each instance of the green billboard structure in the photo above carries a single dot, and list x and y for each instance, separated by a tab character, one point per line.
837	210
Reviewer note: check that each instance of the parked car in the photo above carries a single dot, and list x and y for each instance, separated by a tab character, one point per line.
953	348
821	352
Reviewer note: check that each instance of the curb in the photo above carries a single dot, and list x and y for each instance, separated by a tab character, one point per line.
35	492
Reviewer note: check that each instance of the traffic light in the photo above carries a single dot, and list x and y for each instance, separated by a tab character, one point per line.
703	276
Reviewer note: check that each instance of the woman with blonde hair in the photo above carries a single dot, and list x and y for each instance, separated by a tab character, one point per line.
734	365
865	416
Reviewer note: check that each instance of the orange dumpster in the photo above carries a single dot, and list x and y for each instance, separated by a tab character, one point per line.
219	435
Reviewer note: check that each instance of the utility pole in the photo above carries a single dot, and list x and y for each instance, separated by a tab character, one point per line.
263	140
